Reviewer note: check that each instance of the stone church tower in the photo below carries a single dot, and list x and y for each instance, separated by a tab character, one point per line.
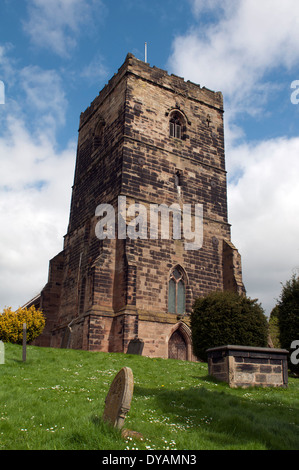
151	139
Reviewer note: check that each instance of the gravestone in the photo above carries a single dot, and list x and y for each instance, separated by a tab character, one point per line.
118	399
135	346
2	353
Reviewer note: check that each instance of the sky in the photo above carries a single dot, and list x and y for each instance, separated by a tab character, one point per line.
55	57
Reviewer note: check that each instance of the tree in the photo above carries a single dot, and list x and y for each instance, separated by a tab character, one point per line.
288	317
274	327
11	324
223	318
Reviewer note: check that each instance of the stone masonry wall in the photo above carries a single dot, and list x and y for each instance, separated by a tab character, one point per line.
114	290
150	161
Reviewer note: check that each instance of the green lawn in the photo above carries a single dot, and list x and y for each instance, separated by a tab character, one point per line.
55	400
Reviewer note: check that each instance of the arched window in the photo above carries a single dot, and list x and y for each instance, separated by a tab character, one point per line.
176	125
98	134
177	291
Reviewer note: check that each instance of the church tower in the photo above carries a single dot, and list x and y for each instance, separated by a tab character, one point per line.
150	147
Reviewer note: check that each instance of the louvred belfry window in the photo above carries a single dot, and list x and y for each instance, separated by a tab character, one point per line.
176	124
177	292
175	128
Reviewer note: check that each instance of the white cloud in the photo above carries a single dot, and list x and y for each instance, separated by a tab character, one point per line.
95	70
56	24
234	54
33	94
203	6
263	210
44	97
36	179
235	47
35	189
6	63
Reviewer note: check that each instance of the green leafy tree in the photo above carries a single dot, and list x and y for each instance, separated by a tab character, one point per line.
274	327
223	318
288	318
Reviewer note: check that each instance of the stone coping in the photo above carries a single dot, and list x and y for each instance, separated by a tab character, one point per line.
248	349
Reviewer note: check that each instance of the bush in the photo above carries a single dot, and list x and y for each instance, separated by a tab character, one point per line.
288	316
223	318
11	324
274	327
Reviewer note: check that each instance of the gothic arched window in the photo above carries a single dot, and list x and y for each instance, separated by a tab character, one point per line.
177	291
176	125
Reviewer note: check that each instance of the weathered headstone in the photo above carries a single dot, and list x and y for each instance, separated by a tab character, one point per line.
2	353
118	399
135	346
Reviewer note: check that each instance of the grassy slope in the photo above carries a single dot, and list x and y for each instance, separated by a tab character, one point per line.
56	399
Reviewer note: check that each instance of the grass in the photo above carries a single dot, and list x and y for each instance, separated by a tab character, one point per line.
55	400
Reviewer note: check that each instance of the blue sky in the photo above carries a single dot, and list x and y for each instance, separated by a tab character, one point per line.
55	57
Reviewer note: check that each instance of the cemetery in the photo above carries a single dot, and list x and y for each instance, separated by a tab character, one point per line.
62	399
139	333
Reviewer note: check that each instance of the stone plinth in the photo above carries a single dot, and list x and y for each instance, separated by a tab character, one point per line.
242	366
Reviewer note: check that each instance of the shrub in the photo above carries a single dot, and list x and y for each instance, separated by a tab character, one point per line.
288	316
11	324
274	327
223	318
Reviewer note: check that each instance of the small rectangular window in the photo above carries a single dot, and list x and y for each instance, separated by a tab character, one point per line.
177	179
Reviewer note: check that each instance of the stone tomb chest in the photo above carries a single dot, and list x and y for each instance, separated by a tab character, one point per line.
242	366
